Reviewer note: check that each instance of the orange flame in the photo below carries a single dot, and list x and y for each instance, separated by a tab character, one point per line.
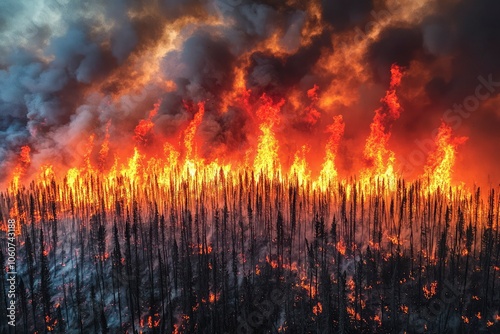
142	130
312	115
329	171
380	159
267	160
23	162
191	162
440	163
299	167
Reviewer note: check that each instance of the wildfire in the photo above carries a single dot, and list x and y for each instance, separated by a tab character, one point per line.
205	167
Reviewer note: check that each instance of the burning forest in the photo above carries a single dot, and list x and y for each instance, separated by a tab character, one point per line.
234	166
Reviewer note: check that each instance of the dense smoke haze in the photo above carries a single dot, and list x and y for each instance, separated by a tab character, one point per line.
72	69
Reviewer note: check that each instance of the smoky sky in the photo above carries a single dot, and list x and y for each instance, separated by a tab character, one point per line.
69	68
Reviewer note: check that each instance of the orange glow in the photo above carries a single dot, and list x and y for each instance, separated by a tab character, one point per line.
190	132
312	114
202	250
191	161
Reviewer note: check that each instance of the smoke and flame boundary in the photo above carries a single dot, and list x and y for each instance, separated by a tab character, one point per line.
380	159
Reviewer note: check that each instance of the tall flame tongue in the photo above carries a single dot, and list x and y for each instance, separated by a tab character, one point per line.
103	152
23	163
299	168
191	159
329	171
267	160
437	172
379	158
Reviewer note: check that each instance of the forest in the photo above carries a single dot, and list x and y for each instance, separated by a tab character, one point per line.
245	253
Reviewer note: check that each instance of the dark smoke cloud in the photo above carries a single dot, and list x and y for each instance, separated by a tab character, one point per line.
395	45
344	14
203	68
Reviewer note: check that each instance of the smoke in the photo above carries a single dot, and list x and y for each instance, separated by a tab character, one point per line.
68	68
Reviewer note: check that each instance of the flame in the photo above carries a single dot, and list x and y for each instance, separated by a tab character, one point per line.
341	247
23	163
267	161
430	291
299	167
379	158
440	163
329	172
145	125
182	162
318	308
272	263
191	162
312	114
309	286
212	298
353	314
